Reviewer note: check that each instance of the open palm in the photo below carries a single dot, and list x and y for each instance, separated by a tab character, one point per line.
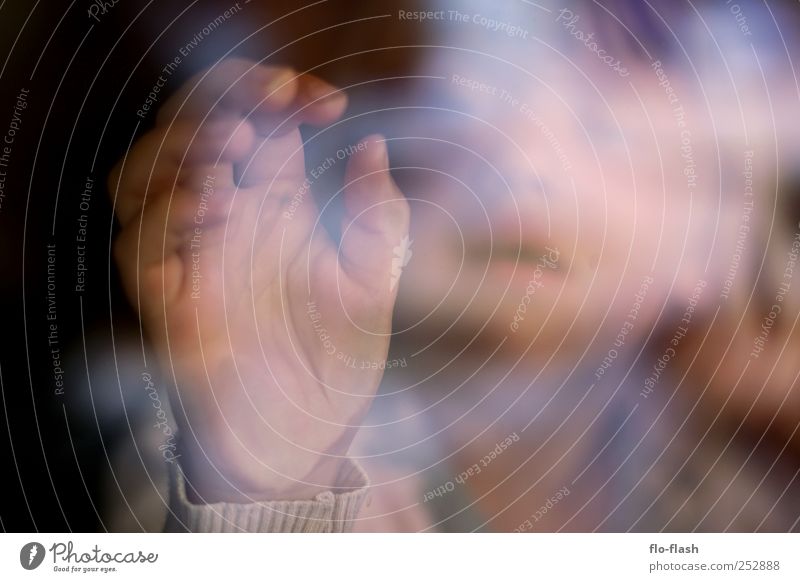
273	336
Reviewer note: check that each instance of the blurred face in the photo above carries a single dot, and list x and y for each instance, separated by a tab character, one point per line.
550	219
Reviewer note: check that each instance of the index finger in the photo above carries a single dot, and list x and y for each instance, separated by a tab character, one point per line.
232	86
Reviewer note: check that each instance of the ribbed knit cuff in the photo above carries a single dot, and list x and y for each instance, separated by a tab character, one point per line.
327	512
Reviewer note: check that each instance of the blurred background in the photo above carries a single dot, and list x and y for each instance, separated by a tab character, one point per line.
597	327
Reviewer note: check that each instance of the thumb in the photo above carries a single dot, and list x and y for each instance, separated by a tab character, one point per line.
375	245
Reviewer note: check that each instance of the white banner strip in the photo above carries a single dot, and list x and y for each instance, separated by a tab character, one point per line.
406	557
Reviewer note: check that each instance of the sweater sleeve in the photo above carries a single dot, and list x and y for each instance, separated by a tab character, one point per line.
327	512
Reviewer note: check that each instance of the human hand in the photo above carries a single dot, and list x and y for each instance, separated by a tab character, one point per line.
260	321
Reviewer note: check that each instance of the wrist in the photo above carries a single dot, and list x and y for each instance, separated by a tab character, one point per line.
238	481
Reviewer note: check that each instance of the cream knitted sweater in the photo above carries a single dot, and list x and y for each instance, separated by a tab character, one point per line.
328	512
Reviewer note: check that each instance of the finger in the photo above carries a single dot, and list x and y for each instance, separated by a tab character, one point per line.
280	155
375	242
318	102
155	244
232	86
315	102
196	177
276	163
186	151
270	97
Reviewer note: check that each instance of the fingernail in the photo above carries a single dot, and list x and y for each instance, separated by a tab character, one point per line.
279	80
316	89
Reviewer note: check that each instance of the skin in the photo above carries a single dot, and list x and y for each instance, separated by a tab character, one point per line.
629	215
264	410
621	212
